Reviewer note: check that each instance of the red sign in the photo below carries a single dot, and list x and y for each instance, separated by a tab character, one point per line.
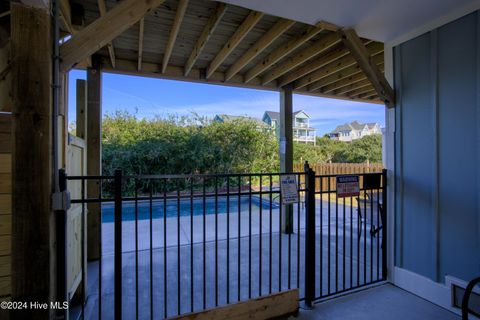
348	186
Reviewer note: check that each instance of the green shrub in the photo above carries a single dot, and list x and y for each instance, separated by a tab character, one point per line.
186	145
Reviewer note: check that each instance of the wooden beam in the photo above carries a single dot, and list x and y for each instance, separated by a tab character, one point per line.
66	10
181	9
94	158
308	53
368	94
66	15
342	74
320	62
140	43
356	93
362	56
33	242
5	71
281	52
210	27
371	96
352	87
328	26
342	84
4	14
103	30
111	52
332	67
81	109
267	39
247	25
275	306
315	65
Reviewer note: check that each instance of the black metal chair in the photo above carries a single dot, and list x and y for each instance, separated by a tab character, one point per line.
466	297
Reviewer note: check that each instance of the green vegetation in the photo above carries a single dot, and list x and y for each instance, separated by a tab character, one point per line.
196	145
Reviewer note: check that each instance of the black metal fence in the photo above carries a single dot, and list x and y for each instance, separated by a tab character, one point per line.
173	244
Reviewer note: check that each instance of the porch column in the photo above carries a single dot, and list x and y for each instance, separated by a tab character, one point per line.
94	158
33	221
286	149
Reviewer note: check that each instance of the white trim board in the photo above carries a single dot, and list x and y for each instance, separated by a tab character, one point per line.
437	293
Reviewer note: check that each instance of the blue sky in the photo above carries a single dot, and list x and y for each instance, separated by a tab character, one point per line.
148	97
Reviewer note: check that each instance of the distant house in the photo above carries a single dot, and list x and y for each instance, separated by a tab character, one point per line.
302	132
354	130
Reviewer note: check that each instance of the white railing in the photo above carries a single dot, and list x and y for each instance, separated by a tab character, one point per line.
304	138
301	125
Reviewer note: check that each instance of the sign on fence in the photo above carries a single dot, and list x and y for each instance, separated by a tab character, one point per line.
348	186
288	188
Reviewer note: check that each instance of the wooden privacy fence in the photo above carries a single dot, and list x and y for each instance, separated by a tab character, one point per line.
340	168
336	169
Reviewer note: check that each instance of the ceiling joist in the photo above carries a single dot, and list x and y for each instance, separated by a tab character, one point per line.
371	70
103	30
111	52
369	95
181	9
65	16
351	87
267	39
346	81
308	53
247	25
282	52
365	89
332	67
207	32
315	65
141	31
340	75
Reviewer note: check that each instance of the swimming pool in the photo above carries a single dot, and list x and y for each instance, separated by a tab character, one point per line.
128	212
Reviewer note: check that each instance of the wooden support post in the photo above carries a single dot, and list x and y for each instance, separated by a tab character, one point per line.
94	158
33	246
81	108
286	148
371	70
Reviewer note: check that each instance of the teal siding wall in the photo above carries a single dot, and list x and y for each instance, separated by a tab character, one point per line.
437	152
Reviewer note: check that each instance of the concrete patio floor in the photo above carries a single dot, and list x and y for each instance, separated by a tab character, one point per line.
384	302
345	249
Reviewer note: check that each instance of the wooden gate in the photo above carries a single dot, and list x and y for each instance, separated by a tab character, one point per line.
76	221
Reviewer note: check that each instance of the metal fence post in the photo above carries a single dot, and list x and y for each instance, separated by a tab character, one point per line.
309	236
118	244
384	223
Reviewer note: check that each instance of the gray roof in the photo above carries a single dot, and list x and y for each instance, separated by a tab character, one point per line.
342	128
354	125
274	115
357	125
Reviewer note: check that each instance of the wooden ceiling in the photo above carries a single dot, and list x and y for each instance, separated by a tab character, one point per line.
208	41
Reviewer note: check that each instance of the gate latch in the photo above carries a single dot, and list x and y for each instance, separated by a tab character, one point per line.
61	201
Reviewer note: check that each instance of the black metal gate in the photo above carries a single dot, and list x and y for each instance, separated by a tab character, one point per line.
173	244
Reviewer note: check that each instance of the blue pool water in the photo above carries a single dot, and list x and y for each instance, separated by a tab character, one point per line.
172	210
